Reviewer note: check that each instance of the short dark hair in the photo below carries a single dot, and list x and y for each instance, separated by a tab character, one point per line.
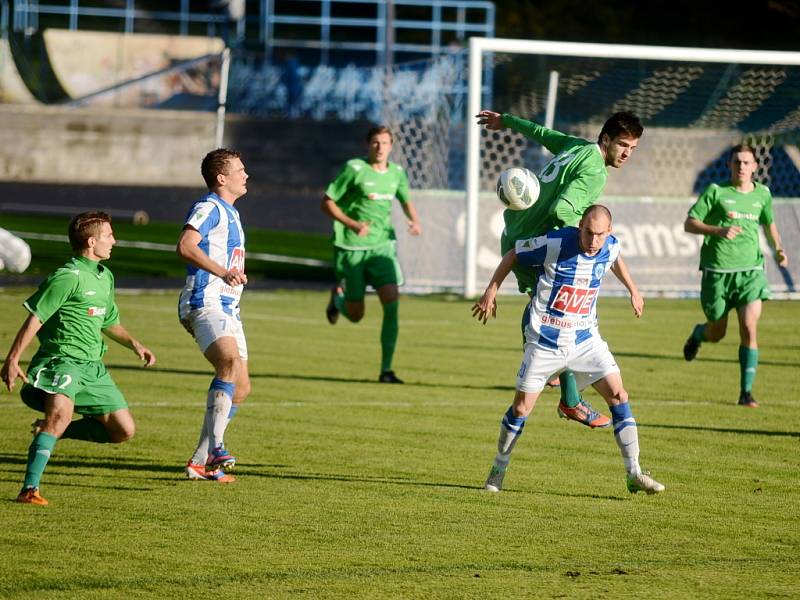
377	130
743	148
622	123
84	226
596	208
216	163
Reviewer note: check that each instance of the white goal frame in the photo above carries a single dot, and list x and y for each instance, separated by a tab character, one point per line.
478	46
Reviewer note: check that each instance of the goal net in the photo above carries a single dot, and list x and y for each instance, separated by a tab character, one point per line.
694	103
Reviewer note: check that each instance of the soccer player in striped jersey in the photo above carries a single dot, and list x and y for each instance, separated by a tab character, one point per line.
359	201
212	244
728	215
570	182
561	333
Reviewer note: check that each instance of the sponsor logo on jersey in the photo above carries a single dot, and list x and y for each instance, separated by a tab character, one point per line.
574	300
237	260
96	311
563	323
735	214
375	196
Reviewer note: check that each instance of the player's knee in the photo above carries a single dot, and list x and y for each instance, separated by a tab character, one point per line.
123	433
356	314
242	391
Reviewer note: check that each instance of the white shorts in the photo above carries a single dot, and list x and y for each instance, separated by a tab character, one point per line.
208	325
590	361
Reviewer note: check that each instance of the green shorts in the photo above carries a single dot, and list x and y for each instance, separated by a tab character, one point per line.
527	277
87	384
355	269
720	292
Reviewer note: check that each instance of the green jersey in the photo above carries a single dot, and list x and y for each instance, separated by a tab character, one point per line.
569	184
724	206
366	195
74	304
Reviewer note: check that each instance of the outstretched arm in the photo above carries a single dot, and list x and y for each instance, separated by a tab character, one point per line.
774	239
120	335
620	269
487	304
10	370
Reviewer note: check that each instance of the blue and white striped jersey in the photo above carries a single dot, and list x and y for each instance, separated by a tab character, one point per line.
564	310
223	241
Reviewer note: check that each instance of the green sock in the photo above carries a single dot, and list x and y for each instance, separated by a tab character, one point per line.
699	333
38	455
87	429
389	332
569	389
341	306
748	361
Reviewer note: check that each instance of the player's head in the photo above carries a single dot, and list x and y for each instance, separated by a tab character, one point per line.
618	137
379	144
223	172
743	163
594	228
90	234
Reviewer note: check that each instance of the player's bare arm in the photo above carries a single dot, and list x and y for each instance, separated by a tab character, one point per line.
490	119
774	240
119	334
188	249
696	226
488	303
11	369
620	269
410	211
330	208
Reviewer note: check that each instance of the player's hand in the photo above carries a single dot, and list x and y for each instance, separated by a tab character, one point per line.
490	120
730	232
234	277
637	302
781	258
361	228
9	374
484	307
145	354
414	228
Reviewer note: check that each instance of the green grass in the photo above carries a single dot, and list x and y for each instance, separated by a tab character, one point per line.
349	489
138	263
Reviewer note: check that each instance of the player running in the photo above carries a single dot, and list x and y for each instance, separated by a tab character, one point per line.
561	333
68	313
359	201
212	244
571	182
728	215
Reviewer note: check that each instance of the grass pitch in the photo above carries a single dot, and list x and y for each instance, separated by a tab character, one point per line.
350	489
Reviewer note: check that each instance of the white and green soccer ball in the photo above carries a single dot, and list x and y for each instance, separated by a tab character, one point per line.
517	188
15	254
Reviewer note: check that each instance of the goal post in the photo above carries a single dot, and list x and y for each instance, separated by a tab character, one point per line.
694	102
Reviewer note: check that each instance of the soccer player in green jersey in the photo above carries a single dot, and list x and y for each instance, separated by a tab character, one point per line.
728	215
359	201
68	313
569	184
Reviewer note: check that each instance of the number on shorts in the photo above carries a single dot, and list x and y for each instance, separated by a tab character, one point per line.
62	381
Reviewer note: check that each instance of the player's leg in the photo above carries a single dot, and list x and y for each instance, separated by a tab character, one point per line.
749	315
105	415
537	366
58	410
347	296
382	271
714	298
223	354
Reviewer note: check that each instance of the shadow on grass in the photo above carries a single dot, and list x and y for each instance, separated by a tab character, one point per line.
679	357
323	378
794	434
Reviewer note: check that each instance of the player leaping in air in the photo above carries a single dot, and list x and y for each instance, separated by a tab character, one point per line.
561	333
571	182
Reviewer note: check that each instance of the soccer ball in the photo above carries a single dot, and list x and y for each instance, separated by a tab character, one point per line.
517	188
15	254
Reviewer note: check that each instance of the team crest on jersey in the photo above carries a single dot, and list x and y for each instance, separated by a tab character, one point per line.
599	270
237	260
96	311
574	300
